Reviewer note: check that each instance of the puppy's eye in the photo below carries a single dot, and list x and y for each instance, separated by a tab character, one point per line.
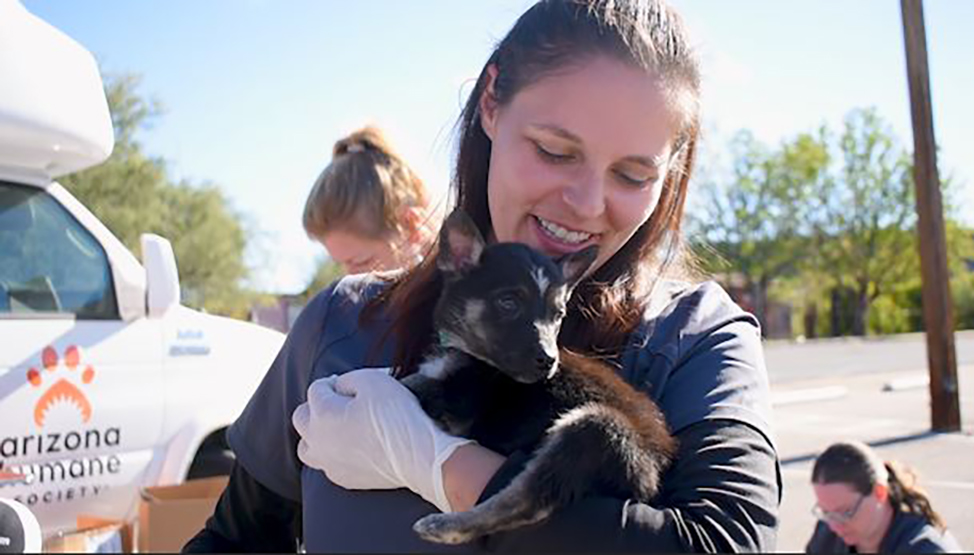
508	305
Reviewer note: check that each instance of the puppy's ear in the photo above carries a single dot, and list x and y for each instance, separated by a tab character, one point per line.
461	243
574	265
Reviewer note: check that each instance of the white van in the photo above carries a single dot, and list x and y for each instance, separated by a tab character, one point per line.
107	383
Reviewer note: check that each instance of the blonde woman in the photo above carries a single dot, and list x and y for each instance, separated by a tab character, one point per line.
368	208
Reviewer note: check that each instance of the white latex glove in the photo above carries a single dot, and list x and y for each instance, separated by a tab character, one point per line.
365	430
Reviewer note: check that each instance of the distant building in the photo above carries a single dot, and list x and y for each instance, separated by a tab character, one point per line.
279	315
777	317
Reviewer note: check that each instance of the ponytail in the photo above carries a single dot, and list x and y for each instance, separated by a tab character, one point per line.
368	139
364	189
907	497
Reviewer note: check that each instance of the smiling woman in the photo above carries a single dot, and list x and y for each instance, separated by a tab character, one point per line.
580	133
567	173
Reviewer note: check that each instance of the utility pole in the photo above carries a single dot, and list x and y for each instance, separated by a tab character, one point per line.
938	315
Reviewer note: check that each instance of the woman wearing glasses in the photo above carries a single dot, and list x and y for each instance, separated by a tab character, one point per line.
865	505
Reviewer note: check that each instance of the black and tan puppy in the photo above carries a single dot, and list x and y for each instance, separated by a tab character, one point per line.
498	377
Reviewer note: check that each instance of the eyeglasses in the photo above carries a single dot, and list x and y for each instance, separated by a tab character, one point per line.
839	517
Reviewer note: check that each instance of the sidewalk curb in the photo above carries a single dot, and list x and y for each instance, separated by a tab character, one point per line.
809	394
910	382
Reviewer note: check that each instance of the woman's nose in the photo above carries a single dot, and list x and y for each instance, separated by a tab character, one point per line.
586	196
837	527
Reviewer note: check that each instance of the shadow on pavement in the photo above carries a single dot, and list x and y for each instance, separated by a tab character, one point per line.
798	459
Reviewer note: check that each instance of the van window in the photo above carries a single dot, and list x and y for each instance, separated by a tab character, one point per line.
49	263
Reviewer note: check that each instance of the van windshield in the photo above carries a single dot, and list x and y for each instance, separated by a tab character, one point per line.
49	263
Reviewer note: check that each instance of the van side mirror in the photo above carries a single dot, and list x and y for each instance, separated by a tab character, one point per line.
161	275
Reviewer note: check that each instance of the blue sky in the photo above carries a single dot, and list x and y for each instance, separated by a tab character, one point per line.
257	91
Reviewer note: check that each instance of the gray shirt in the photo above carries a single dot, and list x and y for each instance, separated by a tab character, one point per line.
908	533
697	354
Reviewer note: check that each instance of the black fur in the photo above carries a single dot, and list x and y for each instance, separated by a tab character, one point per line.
500	379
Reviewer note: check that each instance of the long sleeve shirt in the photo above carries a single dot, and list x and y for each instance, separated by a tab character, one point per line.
907	533
696	354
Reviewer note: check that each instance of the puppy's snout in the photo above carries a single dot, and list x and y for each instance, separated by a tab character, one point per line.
544	362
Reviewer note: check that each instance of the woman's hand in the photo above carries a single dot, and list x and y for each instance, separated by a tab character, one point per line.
365	430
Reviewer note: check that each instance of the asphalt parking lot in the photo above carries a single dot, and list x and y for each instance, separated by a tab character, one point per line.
891	412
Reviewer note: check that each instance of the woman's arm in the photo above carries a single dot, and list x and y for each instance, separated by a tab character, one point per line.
467	472
720	495
249	518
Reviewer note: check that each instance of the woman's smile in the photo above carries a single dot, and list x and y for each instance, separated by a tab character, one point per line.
556	239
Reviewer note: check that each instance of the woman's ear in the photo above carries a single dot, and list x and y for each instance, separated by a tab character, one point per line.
488	104
881	492
412	219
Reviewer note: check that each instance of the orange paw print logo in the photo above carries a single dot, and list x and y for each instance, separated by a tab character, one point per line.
63	391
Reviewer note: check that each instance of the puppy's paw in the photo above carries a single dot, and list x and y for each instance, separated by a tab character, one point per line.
443	528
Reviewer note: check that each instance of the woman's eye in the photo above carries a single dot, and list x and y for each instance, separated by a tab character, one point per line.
638	181
552	156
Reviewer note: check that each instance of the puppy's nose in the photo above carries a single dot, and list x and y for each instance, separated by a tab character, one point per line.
544	362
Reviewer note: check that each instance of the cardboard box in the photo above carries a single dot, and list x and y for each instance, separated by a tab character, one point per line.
170	515
93	535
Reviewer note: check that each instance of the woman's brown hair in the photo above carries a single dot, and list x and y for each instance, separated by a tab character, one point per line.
854	463
555	35
363	190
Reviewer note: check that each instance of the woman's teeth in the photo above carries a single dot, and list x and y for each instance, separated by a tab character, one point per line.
563	234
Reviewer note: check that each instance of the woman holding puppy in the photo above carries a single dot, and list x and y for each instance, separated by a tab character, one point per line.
580	131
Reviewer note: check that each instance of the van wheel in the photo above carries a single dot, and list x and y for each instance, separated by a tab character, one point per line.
214	458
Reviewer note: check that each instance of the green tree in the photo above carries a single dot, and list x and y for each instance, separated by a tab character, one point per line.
960	256
128	173
865	216
754	219
130	111
209	243
132	194
829	220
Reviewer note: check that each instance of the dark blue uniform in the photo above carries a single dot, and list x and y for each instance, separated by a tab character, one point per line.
908	533
697	354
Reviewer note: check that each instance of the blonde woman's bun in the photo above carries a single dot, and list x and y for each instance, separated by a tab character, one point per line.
364	189
368	138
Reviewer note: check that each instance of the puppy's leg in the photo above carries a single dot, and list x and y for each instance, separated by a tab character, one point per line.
519	504
589	448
